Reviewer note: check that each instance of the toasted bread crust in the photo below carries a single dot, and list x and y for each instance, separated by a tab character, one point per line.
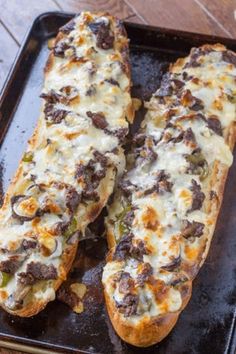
32	305
150	330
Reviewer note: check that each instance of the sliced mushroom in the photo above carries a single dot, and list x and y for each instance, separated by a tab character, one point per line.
24	208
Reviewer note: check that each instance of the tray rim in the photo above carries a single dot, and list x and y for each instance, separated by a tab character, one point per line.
6	342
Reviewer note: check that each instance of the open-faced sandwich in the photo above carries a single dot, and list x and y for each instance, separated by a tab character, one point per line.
68	171
161	222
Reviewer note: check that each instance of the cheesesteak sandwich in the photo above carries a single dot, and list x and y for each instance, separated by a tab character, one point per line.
161	222
68	171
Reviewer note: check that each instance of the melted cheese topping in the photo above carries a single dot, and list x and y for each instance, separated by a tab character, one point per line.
81	77
171	184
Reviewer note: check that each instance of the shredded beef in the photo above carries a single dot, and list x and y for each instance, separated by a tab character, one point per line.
126	248
229	57
129	217
129	305
53	114
139	250
37	271
98	119
178	83
51	97
127	187
122	250
60	48
215	124
28	244
197	196
120	133
161	185
91	176
61	227
195	54
11	265
104	35
72	199
126	283
189	135
192	229
145	274
68	27
145	155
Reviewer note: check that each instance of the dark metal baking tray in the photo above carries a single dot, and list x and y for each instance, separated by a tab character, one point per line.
207	325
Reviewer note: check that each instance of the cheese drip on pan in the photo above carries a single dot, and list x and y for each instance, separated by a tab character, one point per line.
165	208
68	171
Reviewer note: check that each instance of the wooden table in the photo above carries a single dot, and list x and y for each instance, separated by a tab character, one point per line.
205	16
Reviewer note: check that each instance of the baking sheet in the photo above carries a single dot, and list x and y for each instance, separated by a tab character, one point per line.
207	324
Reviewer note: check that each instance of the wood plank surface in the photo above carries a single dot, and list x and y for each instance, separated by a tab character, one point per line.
18	15
116	7
224	11
179	14
7	54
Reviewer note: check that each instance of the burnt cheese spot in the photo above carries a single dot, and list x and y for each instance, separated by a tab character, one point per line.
150	219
